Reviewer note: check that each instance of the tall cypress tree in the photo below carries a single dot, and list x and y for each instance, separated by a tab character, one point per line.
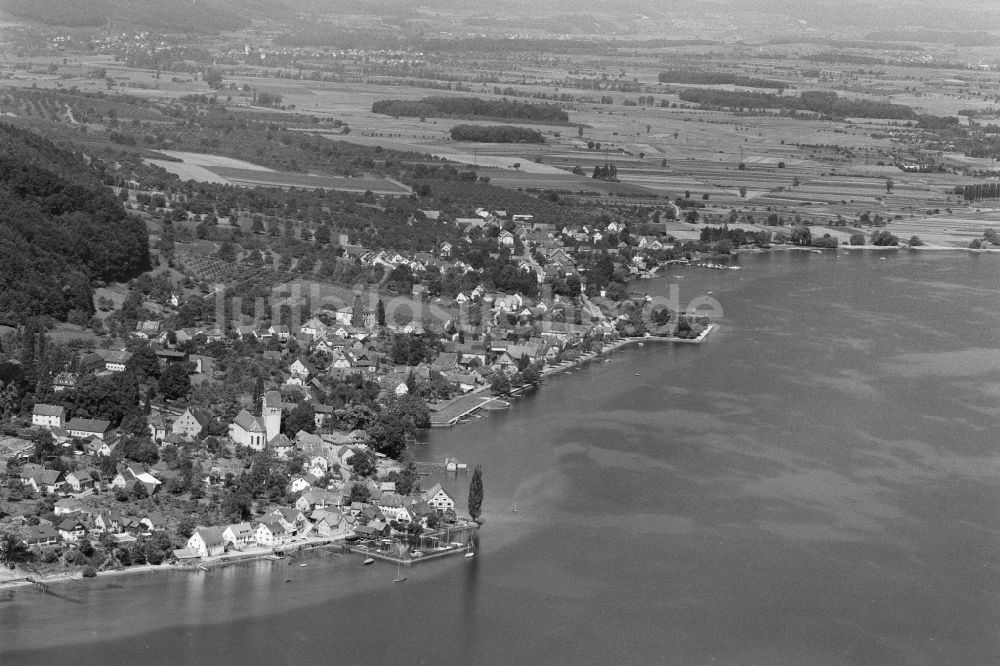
476	493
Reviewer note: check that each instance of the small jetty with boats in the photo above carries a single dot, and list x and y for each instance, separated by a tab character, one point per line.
457	539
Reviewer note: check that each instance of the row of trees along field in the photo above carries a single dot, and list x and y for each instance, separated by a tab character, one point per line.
496	134
472	107
817	101
718	78
977	191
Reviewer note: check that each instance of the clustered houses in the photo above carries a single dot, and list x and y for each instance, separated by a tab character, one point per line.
516	331
325	507
561	248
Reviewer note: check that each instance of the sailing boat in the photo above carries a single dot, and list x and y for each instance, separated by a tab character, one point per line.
399	573
469	554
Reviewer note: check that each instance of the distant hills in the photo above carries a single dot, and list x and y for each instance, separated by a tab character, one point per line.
60	230
157	15
593	17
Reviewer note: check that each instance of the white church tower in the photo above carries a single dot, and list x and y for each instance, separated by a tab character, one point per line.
271	413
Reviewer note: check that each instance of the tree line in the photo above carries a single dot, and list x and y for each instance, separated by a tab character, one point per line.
823	102
977	191
472	107
496	134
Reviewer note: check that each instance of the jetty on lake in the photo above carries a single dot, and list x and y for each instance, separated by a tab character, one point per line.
451	412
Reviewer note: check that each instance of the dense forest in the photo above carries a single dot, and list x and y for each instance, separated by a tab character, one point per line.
718	78
826	103
472	107
496	134
60	229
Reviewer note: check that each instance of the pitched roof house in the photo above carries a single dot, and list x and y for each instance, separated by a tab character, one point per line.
207	542
239	536
48	416
191	423
90	428
438	499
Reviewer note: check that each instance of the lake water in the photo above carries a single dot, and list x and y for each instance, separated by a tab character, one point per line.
818	483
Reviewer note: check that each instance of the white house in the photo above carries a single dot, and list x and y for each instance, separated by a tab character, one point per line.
301	482
68	505
438	499
207	542
239	535
48	416
271	533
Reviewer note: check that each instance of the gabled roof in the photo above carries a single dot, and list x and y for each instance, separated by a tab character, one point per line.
42	409
95	426
274	525
279	441
212	536
249	422
201	417
40	532
45	477
71	524
272	399
240	529
432	491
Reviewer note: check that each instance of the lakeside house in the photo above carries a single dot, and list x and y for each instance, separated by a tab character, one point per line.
239	536
438	499
207	542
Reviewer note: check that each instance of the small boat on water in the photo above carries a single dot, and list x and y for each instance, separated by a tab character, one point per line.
399	573
303	565
370	560
469	554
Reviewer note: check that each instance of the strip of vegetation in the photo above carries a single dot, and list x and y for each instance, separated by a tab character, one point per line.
496	134
978	191
718	78
471	107
826	103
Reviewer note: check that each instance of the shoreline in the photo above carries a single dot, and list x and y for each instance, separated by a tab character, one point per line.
566	366
239	557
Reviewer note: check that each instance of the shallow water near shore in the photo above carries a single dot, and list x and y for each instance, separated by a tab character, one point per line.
819	482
